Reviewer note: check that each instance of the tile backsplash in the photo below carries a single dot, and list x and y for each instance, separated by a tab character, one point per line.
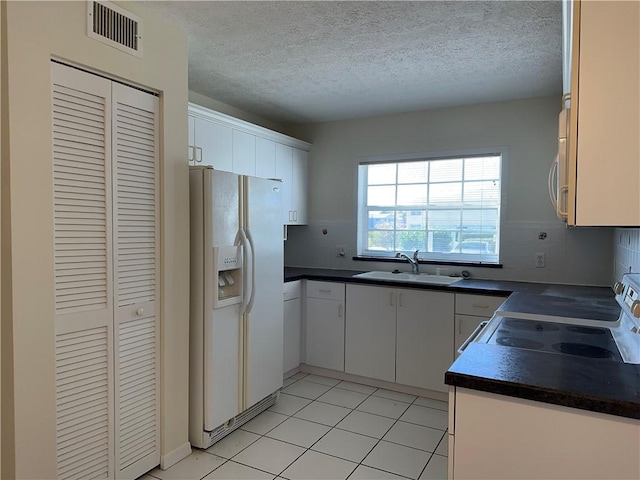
573	256
626	251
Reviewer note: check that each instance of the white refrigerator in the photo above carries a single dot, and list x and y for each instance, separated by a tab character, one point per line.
236	315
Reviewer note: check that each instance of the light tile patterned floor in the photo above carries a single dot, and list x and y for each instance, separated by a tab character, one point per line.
322	428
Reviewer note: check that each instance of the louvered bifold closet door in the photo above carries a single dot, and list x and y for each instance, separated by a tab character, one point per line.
81	143
136	254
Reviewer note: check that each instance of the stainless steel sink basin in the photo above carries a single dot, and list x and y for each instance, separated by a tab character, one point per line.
410	278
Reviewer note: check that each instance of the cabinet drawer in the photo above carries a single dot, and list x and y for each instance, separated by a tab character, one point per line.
480	305
292	290
326	290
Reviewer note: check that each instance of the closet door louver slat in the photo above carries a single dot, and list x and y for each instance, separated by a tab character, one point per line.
72	177
136	234
82	407
81	139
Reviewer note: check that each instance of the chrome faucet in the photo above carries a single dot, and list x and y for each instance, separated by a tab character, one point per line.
415	266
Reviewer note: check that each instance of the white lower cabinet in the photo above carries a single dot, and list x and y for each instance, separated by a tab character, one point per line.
324	325
464	327
498	437
399	335
370	340
471	310
424	338
292	326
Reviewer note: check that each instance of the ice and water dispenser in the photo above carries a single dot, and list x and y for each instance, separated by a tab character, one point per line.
228	270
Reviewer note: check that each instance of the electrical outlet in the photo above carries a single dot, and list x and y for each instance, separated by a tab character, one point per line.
341	251
541	260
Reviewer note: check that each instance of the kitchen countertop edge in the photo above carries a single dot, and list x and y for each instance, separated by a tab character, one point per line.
619	408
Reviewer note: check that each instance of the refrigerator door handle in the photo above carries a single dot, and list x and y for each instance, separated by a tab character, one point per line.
253	271
245	270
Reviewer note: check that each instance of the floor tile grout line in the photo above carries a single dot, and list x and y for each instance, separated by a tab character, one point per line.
385	433
432	454
332	427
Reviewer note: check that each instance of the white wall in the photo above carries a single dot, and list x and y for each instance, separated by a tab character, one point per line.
36	32
527	127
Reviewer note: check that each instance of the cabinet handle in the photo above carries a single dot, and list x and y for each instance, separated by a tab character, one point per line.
295	215
460	326
391	295
479	306
400	299
140	312
340	311
190	153
324	290
291	215
198	149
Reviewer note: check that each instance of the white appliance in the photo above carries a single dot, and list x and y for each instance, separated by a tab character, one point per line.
558	172
554	332
236	318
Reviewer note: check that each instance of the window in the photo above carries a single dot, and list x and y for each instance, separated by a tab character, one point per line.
447	208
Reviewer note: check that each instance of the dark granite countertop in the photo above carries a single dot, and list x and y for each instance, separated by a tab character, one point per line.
588	384
475	286
577	382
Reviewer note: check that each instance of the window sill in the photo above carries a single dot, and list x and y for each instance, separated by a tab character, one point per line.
428	262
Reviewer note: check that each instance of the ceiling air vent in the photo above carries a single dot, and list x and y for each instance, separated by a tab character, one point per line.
114	26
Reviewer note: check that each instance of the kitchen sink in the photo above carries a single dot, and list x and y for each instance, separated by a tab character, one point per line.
410	278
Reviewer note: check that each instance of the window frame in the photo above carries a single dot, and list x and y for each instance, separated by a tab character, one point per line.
473	259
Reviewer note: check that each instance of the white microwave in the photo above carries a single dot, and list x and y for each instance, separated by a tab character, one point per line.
558	172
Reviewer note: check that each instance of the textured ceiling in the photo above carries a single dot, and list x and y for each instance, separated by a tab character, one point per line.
313	61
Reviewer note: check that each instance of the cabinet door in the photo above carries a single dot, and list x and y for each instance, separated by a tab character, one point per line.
572	451
424	338
324	337
370	342
216	142
608	119
191	152
292	325
265	158
300	178
284	172
244	153
464	327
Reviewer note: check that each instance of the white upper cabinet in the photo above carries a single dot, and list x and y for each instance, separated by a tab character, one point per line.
233	145
299	185
244	153
265	158
284	172
292	168
191	151
604	146
210	144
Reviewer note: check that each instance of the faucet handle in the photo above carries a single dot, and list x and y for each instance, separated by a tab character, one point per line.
415	255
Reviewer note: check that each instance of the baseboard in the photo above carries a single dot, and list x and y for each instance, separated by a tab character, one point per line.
174	456
396	387
291	372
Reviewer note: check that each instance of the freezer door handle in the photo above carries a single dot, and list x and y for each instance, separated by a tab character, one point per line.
252	262
245	267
